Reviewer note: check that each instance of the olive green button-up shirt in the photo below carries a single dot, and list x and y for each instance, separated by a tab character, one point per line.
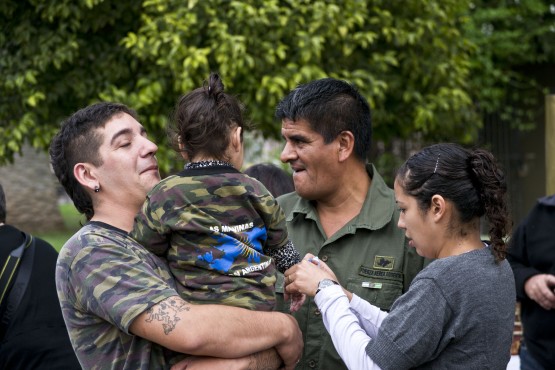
369	256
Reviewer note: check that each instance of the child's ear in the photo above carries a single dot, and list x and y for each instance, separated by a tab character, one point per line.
237	138
180	143
182	148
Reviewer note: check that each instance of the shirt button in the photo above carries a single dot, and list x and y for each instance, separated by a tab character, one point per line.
312	363
324	258
317	312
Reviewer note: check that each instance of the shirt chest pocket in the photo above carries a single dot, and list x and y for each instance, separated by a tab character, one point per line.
381	289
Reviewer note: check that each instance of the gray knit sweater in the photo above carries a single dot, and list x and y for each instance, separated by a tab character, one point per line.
457	314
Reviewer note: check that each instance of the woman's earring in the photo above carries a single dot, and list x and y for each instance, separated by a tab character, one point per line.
96	189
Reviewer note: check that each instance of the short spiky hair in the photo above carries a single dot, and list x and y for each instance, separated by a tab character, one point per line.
331	106
78	141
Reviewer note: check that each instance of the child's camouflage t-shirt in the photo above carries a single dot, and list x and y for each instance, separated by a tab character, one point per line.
220	231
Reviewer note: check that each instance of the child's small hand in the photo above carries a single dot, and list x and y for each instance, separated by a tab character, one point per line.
297	300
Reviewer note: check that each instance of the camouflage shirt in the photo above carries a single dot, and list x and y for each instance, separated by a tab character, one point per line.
220	231
104	281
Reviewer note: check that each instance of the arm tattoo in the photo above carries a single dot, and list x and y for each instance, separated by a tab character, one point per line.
166	312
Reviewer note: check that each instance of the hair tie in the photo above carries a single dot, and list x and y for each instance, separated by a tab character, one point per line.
474	177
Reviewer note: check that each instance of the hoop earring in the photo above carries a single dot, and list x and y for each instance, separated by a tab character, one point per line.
96	189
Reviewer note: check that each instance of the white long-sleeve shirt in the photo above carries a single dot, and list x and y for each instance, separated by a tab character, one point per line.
351	326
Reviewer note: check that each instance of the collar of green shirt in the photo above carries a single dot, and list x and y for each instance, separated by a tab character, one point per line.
376	212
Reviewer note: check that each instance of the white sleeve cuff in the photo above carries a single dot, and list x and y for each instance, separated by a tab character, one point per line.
348	336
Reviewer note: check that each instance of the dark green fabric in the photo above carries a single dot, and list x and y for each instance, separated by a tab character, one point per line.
369	255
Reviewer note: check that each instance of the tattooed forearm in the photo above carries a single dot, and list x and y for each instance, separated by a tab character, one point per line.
166	312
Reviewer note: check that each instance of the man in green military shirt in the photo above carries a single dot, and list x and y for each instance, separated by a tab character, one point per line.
341	211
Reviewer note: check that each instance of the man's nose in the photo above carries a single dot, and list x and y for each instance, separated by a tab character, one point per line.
287	153
149	148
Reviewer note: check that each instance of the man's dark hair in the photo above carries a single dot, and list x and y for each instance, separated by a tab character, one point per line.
78	141
331	106
2	205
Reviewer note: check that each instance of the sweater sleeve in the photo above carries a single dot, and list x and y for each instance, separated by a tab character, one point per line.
349	338
414	331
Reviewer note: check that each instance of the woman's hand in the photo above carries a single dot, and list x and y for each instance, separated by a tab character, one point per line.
305	276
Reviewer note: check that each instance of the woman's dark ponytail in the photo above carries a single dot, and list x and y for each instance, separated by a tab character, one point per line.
492	188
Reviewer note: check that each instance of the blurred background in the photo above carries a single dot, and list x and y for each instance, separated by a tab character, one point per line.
479	73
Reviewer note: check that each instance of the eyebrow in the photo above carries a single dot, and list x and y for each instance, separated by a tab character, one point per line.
124	131
296	137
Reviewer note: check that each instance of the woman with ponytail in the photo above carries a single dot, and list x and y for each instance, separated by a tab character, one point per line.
459	310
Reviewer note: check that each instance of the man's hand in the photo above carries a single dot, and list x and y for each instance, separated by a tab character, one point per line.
238	335
291	350
540	289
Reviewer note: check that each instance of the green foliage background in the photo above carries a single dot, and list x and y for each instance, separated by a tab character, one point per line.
429	69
